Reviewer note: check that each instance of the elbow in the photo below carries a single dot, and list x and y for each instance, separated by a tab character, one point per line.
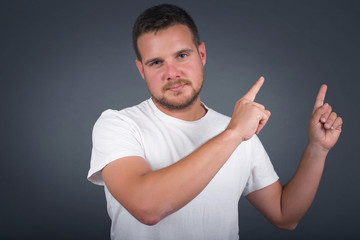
149	215
147	220
288	226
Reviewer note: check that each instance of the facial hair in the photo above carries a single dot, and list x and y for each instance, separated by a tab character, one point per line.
188	102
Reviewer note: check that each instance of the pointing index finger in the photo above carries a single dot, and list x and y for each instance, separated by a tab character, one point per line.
320	97
251	94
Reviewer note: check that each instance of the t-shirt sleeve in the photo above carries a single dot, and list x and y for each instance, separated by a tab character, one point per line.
114	136
262	172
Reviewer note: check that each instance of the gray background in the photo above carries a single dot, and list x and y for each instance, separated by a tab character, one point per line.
64	62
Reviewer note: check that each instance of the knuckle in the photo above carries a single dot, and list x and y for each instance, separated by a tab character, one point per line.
241	101
333	116
340	120
321	110
330	108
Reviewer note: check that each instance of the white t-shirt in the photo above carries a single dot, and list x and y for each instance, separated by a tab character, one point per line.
162	140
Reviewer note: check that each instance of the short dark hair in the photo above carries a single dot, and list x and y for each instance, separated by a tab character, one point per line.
161	17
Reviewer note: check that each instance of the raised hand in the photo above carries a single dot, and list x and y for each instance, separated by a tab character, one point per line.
249	117
324	125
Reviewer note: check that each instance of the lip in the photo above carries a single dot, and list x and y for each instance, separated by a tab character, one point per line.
177	88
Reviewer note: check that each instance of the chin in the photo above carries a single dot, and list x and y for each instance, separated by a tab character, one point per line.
176	104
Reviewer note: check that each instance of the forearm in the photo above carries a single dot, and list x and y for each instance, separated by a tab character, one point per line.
285	206
300	191
152	195
157	194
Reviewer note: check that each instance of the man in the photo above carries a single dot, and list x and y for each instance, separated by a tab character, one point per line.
172	168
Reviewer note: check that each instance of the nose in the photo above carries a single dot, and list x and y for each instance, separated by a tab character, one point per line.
172	72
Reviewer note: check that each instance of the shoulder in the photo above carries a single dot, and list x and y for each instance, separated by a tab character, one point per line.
126	114
116	120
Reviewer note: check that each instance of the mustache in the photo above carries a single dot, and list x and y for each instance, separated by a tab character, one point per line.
171	84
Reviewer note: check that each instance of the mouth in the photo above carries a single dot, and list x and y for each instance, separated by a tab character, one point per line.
177	87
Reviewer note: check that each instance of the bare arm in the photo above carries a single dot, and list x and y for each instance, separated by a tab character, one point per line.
152	195
285	206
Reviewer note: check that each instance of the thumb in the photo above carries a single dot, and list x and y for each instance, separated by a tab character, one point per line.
315	118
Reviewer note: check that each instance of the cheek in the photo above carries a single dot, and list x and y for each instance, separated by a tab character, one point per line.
195	73
153	81
153	76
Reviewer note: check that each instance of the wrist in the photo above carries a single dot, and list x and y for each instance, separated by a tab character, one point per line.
233	136
317	150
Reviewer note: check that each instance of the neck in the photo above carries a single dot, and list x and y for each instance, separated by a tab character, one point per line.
191	113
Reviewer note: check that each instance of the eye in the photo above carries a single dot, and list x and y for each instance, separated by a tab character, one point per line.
182	55
155	63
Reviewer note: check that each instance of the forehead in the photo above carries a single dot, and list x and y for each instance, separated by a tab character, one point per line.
171	39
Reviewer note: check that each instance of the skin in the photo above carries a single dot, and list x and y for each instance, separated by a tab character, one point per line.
131	180
284	206
169	57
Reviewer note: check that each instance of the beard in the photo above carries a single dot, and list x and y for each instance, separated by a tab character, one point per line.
168	104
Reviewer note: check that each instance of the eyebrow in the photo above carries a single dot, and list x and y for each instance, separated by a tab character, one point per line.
177	53
152	60
184	50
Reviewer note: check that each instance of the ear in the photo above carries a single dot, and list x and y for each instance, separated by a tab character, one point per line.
202	52
140	67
